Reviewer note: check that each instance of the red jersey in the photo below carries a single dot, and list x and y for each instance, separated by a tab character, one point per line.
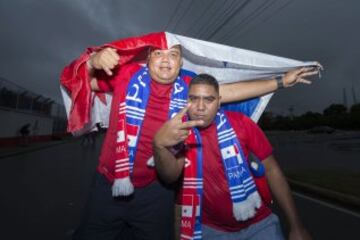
217	204
155	116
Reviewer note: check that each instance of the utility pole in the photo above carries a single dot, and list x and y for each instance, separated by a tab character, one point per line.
345	98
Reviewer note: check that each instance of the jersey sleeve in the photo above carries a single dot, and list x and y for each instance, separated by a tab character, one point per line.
255	139
258	142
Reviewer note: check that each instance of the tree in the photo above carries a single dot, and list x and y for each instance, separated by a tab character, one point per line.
335	109
355	116
336	116
308	120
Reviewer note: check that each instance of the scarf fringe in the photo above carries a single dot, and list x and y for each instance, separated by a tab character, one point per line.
122	187
247	209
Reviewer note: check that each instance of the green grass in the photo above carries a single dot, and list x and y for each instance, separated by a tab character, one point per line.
338	181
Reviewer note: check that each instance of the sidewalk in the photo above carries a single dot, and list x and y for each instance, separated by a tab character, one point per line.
31	147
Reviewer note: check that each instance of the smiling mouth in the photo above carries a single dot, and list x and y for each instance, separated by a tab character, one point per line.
199	116
165	68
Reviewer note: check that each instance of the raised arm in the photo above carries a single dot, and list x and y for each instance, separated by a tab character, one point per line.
282	194
106	60
248	89
173	132
167	165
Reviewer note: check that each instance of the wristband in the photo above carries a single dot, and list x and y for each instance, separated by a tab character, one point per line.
279	82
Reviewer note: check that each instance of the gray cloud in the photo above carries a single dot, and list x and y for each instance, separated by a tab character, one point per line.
38	38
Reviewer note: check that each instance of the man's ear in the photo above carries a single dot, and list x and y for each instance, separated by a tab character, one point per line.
219	102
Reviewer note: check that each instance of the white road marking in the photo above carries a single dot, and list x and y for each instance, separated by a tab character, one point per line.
333	206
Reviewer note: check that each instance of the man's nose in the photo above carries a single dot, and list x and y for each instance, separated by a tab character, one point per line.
201	105
165	58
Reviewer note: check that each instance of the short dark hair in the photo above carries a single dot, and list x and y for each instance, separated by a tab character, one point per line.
205	79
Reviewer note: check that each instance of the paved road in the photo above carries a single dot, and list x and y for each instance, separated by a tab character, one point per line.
325	221
42	194
299	150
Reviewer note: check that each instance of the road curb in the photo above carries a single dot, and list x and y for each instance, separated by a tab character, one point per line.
344	200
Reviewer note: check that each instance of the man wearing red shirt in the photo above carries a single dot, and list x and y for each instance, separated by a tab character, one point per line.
213	175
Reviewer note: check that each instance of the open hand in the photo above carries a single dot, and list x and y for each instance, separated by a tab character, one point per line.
299	75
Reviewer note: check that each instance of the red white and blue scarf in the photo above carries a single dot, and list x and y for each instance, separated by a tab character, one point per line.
243	191
132	111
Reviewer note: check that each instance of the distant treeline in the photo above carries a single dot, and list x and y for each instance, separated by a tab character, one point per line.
335	116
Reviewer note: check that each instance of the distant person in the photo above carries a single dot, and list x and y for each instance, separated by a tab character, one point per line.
223	195
24	134
89	139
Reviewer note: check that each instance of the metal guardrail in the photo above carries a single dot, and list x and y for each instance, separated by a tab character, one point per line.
16	98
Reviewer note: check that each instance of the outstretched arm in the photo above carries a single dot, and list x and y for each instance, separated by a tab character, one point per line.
248	89
282	194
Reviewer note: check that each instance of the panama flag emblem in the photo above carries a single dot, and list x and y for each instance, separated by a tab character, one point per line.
132	133
238	155
228	152
187	206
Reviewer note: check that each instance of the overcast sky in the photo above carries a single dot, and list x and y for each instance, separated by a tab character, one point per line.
38	38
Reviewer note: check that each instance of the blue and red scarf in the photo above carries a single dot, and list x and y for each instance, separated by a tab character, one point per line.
132	110
243	191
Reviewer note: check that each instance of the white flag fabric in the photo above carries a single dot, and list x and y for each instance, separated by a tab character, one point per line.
227	64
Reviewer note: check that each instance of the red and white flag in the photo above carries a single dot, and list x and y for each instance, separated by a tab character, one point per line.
227	64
